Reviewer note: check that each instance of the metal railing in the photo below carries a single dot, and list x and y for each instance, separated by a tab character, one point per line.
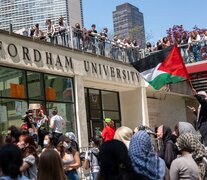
80	40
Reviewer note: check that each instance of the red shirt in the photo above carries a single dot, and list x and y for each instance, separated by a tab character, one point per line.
108	133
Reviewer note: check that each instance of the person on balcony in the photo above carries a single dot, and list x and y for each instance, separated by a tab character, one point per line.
38	34
92	37
194	45
165	42
115	47
51	32
102	39
77	35
63	30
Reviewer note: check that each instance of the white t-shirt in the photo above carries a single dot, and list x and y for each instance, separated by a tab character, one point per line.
58	123
31	173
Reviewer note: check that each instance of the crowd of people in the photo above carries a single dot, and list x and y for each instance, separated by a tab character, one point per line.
33	152
193	45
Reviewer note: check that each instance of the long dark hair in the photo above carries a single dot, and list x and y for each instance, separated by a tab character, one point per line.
10	160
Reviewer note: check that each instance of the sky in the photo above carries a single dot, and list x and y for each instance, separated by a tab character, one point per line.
159	15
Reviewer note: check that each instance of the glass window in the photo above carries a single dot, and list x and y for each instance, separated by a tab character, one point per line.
110	100
34	85
58	88
11	111
66	110
99	105
94	97
113	115
12	83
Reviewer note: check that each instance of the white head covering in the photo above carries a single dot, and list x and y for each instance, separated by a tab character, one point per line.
202	93
124	134
71	136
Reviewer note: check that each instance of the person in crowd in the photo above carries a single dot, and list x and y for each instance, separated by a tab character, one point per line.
50	166
48	142
51	31
186	127
123	48
115	47
168	150
194	45
115	163
42	127
197	148
148	48
183	46
30	157
144	160
57	124
38	34
92	37
73	140
13	134
102	39
129	52
77	35
109	130
69	156
124	134
10	163
158	45
91	156
62	30
204	39
85	39
165	42
135	50
184	167
29	124
201	123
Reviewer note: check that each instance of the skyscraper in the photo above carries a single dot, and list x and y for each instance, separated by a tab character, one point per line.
26	13
128	22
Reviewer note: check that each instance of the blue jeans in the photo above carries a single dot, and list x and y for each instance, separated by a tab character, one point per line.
72	175
76	43
196	52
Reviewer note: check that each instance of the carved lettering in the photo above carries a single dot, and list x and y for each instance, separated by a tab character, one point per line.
94	67
105	69
49	58
37	56
68	62
58	61
25	53
124	74
118	73
12	50
86	65
112	72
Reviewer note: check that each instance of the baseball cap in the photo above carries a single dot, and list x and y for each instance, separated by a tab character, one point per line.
107	120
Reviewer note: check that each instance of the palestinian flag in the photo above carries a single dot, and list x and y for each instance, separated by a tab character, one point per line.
163	67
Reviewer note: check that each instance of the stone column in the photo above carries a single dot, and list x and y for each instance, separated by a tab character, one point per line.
81	112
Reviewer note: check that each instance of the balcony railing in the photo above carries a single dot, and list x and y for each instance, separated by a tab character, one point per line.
80	40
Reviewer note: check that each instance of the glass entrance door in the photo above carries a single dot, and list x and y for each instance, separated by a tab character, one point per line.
99	105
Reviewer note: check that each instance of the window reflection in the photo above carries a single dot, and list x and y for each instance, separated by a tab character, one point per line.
58	88
12	83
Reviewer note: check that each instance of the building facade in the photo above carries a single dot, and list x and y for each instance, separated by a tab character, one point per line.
26	13
128	22
84	87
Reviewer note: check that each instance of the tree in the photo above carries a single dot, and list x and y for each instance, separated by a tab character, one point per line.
174	34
